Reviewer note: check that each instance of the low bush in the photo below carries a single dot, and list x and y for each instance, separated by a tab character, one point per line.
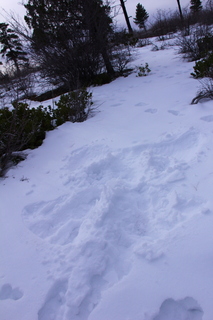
203	68
143	71
143	42
197	44
205	92
24	128
21	128
205	44
74	106
165	23
101	79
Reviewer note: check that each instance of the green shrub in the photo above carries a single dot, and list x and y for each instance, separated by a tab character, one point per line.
21	128
74	106
205	45
101	79
24	128
143	70
203	68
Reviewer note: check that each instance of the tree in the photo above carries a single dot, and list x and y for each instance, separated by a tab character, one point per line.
71	38
126	16
141	16
11	46
196	5
180	10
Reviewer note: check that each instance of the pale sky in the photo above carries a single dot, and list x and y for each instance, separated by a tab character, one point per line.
150	5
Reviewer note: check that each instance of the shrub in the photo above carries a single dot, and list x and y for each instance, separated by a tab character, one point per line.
203	68
143	42
121	61
163	46
205	44
206	91
197	44
25	128
21	128
101	79
74	106
165	23
124	38
143	70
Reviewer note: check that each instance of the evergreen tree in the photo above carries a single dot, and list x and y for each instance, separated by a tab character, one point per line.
71	38
196	5
141	16
11	47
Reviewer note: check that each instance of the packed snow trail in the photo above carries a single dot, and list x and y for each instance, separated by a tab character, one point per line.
111	219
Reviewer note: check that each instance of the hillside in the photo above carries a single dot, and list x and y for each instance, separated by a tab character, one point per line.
112	218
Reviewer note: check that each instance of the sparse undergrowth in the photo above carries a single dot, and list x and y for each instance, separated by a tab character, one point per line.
197	44
205	92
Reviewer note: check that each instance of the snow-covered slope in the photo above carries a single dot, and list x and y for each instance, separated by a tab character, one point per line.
112	219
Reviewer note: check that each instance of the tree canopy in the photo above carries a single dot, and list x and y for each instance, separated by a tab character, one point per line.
71	37
11	47
196	5
141	16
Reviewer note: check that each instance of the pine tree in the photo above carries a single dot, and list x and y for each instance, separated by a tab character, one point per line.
141	16
196	5
11	46
71	38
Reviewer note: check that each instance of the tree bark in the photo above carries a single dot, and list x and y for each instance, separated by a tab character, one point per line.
180	10
126	16
107	62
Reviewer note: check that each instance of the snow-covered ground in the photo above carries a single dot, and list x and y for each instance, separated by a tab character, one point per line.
112	219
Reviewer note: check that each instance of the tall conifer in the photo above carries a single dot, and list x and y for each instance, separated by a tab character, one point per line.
141	16
196	5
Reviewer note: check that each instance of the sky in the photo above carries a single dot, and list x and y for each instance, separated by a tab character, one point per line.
151	6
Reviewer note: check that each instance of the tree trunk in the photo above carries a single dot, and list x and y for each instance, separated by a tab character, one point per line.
126	16
180	10
17	66
107	62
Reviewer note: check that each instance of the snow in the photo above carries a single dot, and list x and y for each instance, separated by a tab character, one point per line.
111	219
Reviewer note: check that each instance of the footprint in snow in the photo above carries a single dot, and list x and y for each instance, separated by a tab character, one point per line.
208	118
187	308
115	105
174	112
7	292
55	299
151	111
141	104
